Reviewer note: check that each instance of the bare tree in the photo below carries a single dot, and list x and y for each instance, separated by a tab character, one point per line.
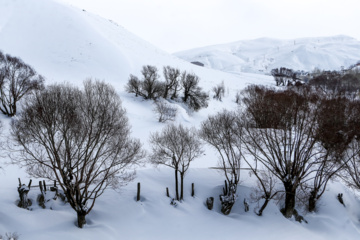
194	97
175	147
150	86
134	86
337	126
172	79
164	111
219	91
223	132
80	138
287	146
351	171
16	80
266	186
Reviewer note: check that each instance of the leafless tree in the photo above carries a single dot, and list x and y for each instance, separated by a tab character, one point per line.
266	188
194	97
16	80
80	138
223	132
219	91
285	145
338	123
134	86
151	87
351	171
175	147
172	79
164	111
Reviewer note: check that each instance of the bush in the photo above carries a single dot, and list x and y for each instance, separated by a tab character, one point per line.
219	91
165	111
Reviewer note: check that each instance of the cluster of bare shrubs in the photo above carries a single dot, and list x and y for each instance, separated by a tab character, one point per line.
177	86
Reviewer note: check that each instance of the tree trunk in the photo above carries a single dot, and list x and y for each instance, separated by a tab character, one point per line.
176	185
312	201
81	218
263	207
181	186
288	210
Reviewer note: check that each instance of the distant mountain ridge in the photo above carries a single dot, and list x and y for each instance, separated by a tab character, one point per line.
264	54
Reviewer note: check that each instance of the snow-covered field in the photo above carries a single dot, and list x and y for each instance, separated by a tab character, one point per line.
262	55
66	44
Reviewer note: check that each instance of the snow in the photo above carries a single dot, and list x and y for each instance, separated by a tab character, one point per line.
64	43
262	55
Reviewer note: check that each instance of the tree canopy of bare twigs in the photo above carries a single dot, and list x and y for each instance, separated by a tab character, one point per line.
194	97
284	140
223	132
149	87
175	147
351	170
219	91
16	80
338	124
80	138
172	82
164	111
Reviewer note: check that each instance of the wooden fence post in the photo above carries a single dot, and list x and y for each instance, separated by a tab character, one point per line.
44	186
40	186
138	192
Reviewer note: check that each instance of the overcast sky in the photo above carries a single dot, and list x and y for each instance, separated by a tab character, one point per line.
175	25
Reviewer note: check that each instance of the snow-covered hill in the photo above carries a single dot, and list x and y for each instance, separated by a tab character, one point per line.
67	44
264	54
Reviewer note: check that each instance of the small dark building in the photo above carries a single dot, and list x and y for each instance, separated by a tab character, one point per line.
198	63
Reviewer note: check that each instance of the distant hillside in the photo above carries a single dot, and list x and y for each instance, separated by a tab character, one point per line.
264	54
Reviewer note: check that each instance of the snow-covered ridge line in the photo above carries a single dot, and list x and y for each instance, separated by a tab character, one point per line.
263	54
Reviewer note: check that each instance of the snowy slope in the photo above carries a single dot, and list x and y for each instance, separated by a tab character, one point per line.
64	43
67	44
264	54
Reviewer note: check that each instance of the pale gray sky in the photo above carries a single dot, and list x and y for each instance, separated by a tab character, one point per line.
175	25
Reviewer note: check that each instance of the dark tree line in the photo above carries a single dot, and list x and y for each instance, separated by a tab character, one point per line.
175	84
336	83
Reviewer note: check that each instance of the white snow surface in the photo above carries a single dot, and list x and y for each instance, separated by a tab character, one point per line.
263	54
66	44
